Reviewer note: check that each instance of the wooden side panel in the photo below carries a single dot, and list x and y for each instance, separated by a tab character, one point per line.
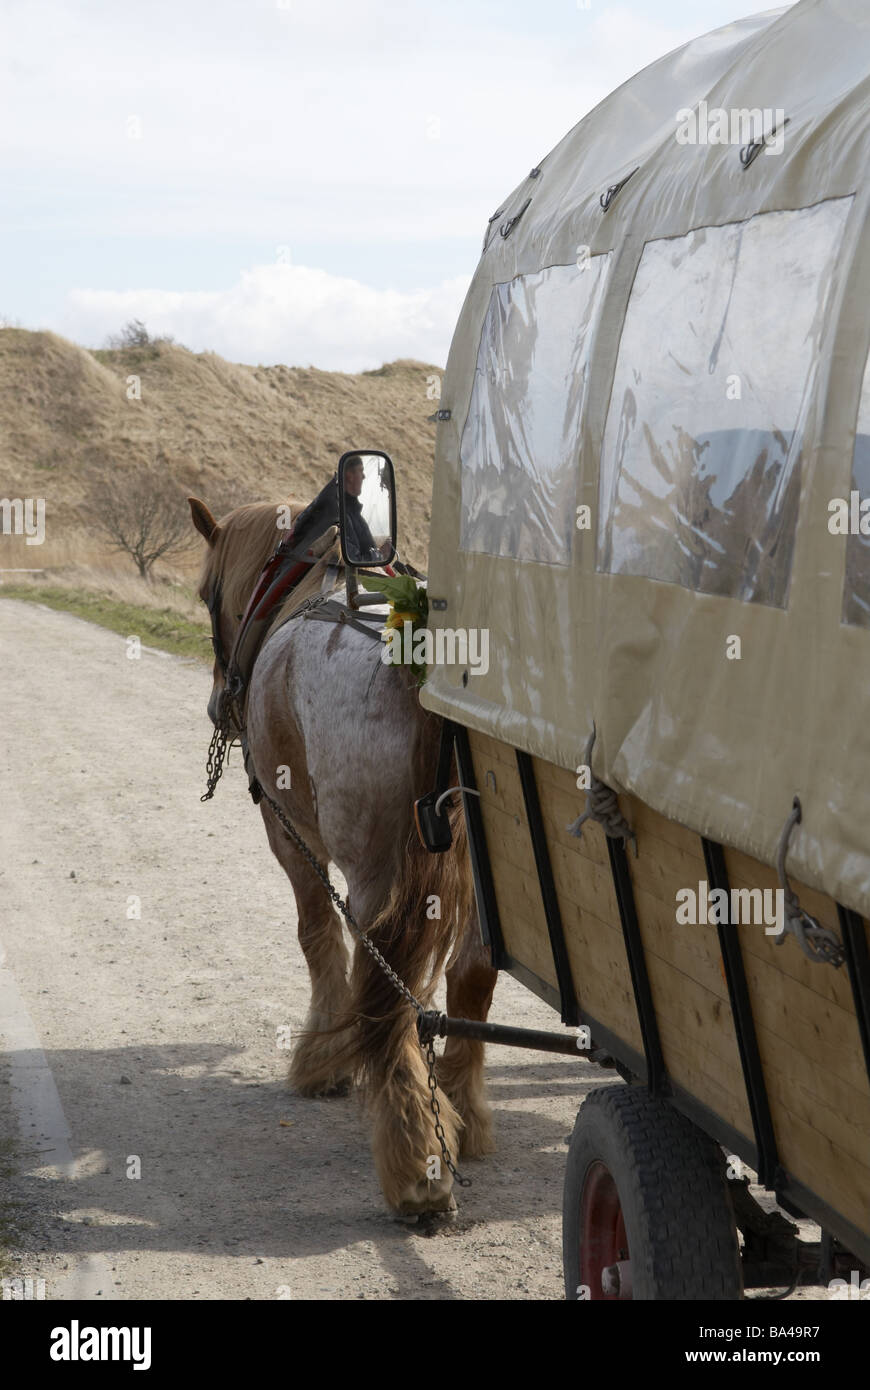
517	892
804	1013
688	988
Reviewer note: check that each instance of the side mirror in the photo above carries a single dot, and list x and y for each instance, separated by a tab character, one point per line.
367	509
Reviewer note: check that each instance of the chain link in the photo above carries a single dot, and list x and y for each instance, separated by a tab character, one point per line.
217	749
436	1112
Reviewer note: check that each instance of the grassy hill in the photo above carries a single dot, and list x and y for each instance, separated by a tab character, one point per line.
225	432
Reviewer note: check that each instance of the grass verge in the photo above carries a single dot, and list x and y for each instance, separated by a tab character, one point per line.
155	627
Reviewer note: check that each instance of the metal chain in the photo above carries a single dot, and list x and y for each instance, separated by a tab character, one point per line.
221	741
395	981
217	749
436	1111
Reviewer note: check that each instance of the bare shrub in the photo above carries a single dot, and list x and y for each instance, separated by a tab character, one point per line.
134	334
143	514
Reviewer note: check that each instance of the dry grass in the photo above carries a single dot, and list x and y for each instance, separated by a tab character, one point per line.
226	432
76	562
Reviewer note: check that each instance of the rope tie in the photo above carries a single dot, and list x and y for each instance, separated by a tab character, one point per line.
817	943
602	806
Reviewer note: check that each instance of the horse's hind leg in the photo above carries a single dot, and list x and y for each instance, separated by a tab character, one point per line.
321	1063
470	984
407	1154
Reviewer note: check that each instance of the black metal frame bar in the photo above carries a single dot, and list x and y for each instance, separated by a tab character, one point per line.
656	1078
508	1036
858	965
549	897
767	1161
484	888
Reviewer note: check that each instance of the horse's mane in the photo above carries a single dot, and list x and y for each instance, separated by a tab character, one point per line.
245	539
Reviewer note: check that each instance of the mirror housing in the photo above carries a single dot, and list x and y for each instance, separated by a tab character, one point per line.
367	508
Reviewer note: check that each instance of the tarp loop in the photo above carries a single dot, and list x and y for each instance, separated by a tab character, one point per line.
507	227
817	942
602	805
750	152
607	198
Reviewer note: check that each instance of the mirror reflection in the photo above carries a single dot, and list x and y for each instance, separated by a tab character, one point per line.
367	509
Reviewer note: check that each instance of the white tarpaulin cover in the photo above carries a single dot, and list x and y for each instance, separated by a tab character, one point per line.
653	407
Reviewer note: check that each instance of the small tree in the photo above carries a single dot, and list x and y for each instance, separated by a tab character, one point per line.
134	334
144	516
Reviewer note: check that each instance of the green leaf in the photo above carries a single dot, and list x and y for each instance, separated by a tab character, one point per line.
402	591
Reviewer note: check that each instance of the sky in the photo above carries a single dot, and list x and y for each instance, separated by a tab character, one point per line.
296	181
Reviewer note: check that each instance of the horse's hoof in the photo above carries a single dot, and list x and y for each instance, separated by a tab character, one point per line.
442	1208
334	1089
327	1090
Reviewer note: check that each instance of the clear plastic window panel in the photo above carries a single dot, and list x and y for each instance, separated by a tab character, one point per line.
856	596
701	458
521	442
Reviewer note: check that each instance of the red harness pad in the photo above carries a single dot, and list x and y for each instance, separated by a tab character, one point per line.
270	589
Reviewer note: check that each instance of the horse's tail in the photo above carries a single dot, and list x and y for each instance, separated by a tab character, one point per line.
427	914
429	908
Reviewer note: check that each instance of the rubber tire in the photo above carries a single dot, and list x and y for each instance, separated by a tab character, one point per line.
671	1182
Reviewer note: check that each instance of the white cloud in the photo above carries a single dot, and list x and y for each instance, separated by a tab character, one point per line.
391	128
283	313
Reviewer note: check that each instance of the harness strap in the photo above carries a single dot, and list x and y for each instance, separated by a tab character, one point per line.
328	610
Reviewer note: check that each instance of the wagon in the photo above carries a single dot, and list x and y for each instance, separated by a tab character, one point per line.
651	486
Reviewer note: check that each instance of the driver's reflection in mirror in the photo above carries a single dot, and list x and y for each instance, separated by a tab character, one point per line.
323	512
366	499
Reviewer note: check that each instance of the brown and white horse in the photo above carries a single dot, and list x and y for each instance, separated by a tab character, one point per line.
360	750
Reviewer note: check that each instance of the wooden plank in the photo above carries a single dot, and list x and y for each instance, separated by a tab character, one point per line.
831	984
586	885
490	751
559	810
644	820
507	794
524	928
823	1166
702	1078
693	950
806	1092
599	967
639	816
813	1027
752	873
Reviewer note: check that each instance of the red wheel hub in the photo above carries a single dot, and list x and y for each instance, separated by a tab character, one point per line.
603	1241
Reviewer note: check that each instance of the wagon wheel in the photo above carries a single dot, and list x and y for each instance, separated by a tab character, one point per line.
646	1213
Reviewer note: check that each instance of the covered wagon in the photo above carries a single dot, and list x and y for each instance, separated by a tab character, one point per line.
652	493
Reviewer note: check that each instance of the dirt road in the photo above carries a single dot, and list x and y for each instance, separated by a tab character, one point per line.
150	960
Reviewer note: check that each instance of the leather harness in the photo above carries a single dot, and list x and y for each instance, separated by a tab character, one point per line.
321	607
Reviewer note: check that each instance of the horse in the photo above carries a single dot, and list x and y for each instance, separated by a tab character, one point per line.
360	750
